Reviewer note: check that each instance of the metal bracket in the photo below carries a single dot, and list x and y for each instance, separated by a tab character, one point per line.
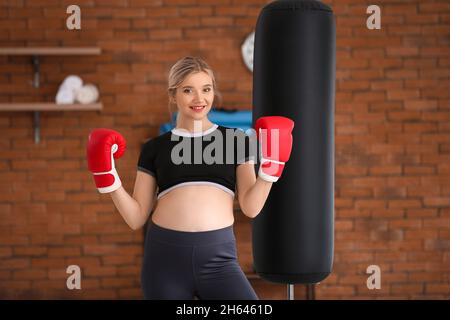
290	291
311	291
36	84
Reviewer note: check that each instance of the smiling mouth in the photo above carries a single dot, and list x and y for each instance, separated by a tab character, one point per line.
197	108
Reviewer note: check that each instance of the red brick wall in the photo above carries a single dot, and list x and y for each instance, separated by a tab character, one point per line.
392	141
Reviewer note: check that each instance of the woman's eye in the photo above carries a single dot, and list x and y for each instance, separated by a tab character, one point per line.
190	90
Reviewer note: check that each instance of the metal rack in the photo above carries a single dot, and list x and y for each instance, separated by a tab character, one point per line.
36	108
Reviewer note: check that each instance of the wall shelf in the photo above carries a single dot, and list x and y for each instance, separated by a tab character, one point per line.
49	107
35	53
50	51
252	276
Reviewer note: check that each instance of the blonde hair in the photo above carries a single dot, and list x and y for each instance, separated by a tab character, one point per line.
182	69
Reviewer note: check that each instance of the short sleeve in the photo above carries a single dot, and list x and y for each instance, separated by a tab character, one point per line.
245	148
146	162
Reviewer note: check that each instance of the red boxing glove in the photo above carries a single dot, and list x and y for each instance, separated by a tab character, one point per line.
275	144
103	146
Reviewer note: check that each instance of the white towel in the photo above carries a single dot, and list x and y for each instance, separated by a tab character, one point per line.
65	96
87	94
72	82
67	90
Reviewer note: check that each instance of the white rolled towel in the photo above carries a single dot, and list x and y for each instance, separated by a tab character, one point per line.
87	94
65	96
72	82
67	90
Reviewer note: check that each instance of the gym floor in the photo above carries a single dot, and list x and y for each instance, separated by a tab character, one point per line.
392	135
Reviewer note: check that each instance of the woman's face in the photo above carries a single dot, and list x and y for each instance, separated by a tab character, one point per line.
195	96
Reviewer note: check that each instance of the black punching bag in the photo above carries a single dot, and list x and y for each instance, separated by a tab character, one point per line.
294	76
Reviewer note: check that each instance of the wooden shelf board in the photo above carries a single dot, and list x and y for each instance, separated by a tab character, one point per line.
59	51
49	107
252	276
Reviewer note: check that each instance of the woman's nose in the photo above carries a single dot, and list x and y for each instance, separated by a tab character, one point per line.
198	96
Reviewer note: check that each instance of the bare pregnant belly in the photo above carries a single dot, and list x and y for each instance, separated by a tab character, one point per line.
194	208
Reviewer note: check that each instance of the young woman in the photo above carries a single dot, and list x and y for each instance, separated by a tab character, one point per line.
190	247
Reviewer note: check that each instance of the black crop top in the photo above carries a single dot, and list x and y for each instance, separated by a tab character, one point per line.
178	158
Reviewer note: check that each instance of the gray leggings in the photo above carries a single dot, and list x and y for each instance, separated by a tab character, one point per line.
183	265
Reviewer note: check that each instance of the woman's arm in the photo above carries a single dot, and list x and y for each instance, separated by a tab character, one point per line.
135	210
252	191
